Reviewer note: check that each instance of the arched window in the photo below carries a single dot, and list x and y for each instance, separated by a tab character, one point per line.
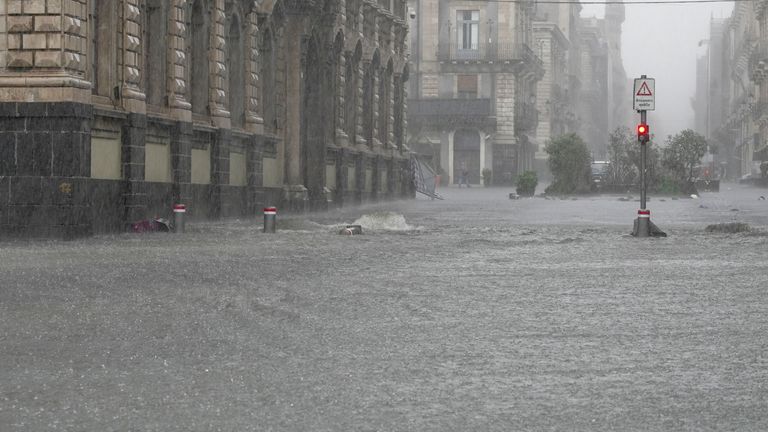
198	57
155	52
236	70
103	67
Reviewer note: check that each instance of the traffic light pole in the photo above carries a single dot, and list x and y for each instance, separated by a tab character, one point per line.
643	222
644	100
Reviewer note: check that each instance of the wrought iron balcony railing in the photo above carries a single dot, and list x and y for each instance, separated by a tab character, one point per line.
487	52
469	108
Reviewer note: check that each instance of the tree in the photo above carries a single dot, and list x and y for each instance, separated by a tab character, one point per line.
622	168
683	153
569	162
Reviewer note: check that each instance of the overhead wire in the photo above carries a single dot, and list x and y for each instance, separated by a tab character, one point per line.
617	2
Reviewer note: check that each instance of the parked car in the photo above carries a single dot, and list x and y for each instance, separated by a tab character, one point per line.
599	172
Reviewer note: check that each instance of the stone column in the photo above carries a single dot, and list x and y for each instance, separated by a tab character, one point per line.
295	54
366	100
219	171
505	143
181	164
218	69
45	117
391	110
255	169
342	139
253	120
46	51
133	98
398	110
293	59
177	29
135	192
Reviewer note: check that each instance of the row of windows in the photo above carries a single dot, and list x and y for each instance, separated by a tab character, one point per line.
103	18
156	76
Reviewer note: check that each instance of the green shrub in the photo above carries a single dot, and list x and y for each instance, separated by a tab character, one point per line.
569	162
526	183
487	176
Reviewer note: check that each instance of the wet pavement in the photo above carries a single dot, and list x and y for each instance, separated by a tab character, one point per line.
473	313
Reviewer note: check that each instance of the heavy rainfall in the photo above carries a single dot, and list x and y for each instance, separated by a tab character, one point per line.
427	215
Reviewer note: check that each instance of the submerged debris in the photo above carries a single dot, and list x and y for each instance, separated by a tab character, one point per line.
351	230
729	228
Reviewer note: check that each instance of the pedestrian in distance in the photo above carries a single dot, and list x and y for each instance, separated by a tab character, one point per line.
464	176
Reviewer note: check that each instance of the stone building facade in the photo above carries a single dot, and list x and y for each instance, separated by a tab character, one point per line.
605	99
113	110
473	94
731	102
737	131
585	87
556	32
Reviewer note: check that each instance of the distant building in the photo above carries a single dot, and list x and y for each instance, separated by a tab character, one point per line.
585	89
732	110
558	45
472	100
758	70
113	110
605	101
736	133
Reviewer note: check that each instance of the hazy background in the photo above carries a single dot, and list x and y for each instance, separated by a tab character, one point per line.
662	41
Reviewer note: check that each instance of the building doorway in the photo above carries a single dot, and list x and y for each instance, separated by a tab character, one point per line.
466	154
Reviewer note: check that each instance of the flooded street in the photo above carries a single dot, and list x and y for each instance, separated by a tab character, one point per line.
473	313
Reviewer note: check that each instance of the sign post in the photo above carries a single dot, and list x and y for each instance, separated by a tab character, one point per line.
644	100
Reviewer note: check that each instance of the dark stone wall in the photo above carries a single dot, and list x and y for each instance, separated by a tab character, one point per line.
46	189
107	205
233	200
44	169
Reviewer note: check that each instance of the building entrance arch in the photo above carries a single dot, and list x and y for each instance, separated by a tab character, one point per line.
466	154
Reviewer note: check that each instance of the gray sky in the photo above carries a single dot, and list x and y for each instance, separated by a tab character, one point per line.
661	41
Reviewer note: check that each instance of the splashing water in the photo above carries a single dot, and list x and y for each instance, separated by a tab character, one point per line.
384	221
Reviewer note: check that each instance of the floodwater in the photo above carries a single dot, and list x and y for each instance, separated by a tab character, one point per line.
468	314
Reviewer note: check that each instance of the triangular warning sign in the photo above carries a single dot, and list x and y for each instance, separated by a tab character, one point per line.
644	90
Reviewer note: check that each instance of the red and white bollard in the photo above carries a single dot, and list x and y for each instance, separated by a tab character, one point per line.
179	213
643	223
270	219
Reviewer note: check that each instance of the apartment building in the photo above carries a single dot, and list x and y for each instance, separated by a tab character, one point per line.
473	98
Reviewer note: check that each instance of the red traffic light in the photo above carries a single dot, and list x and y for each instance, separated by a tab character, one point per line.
642	132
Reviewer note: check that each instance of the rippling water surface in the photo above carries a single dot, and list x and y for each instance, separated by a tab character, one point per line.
473	313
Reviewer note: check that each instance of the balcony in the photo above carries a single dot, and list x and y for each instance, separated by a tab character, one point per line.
517	54
526	117
451	112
